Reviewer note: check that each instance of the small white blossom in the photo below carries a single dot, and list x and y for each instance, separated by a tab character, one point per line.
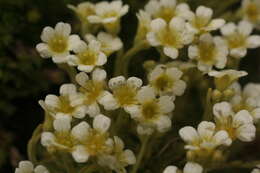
225	78
167	9
205	138
125	91
93	142
208	52
248	99
69	103
27	167
171	37
109	43
119	158
87	56
239	39
151	112
57	42
109	14
251	11
167	80
144	25
93	93
202	21
83	10
189	167
238	125
256	170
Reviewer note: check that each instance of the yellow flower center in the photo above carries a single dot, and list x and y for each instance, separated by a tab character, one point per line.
88	57
223	82
65	139
226	124
170	37
125	95
58	44
200	22
236	40
64	105
163	83
96	143
253	12
150	110
92	90
110	14
207	53
166	13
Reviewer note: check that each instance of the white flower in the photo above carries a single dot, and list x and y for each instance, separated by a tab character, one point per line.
83	10
144	25
93	142
152	112
69	103
224	79
171	37
167	9
167	80
119	158
239	39
208	52
256	170
125	91
93	92
109	43
251	11
238	125
109	14
189	167
57	42
61	138
202	21
27	167
248	99
205	138
87	56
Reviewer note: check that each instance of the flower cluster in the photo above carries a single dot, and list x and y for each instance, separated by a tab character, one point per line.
98	115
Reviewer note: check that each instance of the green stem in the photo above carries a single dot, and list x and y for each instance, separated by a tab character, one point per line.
71	71
33	143
208	106
140	154
238	164
121	64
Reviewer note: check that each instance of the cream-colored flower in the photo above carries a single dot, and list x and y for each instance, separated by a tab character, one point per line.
167	80
167	9
125	91
248	99
256	170
62	138
225	78
239	39
109	43
93	142
202	21
57	42
151	112
93	92
27	167
87	56
206	137
171	37
251	11
109	14
238	125
119	158
189	167
83	10
144	25
69	103
208	52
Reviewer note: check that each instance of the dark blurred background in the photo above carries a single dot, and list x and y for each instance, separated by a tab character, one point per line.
26	78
